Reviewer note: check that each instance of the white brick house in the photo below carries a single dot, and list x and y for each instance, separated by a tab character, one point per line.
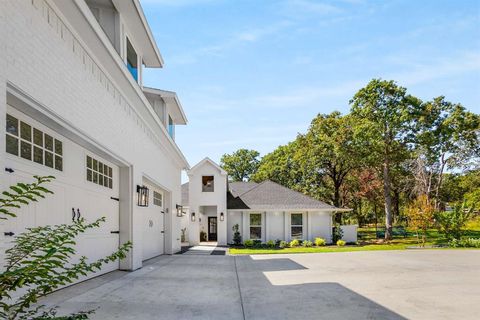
263	211
73	105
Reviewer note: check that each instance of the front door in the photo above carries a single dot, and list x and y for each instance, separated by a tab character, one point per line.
212	228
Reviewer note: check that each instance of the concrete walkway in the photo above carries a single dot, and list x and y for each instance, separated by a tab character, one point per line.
413	284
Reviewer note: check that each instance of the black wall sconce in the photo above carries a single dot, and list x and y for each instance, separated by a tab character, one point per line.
222	217
179	210
193	216
142	193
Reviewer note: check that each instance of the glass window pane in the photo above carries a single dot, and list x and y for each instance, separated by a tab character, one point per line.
58	163
12	125
26	150
11	144
100	167
95	177
105	182
100	179
25	131
255	233
297	233
95	165
110	183
89	175
38	155
296	219
58	147
38	137
109	172
255	219
48	142
49	159
89	162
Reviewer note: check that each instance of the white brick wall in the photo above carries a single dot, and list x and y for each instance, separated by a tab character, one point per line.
44	60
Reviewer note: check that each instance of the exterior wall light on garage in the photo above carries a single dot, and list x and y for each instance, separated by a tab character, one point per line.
193	216
179	210
222	217
142	193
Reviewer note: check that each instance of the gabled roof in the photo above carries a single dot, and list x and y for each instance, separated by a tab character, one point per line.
269	195
171	99
237	188
211	162
134	17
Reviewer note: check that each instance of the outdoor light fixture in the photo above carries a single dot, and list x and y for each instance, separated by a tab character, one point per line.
142	193
221	216
179	210
193	216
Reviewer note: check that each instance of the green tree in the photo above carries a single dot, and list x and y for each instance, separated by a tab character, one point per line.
447	138
40	259
385	116
241	164
281	167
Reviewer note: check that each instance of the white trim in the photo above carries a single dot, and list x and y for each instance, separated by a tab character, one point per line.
208	160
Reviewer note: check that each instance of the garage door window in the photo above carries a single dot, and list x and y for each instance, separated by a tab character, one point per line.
157	199
29	143
99	173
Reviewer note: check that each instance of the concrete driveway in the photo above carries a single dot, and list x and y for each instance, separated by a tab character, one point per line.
412	284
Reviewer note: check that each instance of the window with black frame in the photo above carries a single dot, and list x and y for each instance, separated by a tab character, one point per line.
296	225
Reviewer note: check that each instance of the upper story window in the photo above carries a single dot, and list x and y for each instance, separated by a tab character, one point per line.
171	127
207	183
32	144
132	60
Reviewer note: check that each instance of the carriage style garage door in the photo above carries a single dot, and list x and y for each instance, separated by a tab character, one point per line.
84	186
153	223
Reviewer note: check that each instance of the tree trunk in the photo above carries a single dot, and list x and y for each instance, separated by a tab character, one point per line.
336	200
439	183
388	200
396	205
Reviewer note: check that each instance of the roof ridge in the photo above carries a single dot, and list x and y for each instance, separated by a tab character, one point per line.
299	193
258	185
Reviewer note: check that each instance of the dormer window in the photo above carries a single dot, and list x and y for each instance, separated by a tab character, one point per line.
171	127
132	60
207	183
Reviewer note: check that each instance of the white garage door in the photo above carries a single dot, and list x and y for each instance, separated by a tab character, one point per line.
84	186
153	224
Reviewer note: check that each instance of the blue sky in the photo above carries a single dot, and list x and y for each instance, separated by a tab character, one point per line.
252	74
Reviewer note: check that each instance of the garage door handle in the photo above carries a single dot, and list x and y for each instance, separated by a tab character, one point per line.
162	231
9	234
117	232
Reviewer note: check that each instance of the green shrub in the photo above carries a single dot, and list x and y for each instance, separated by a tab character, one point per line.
248	243
257	243
270	244
451	223
294	243
237	238
283	244
277	242
307	243
465	243
320	242
337	233
341	243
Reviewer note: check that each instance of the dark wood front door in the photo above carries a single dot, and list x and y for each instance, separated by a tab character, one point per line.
212	228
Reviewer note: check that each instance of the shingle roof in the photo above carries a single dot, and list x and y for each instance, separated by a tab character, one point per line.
269	195
239	187
184	199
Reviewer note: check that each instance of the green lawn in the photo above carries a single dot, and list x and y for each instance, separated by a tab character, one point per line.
367	241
